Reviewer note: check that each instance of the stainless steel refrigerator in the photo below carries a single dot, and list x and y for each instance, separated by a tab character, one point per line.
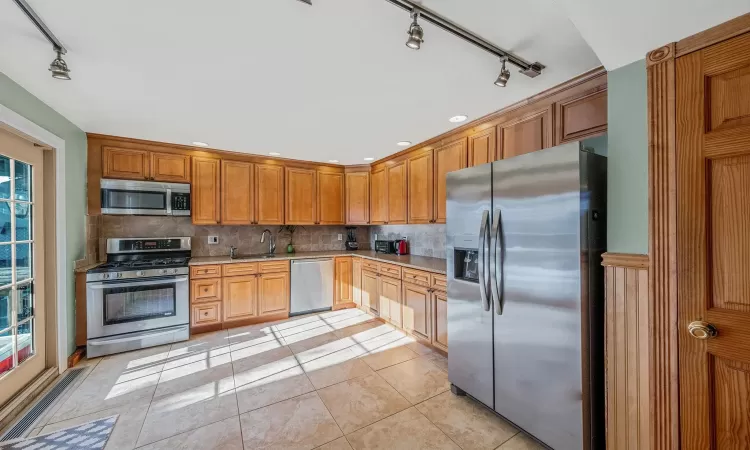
526	291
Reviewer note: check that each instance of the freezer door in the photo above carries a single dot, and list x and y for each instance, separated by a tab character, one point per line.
469	307
537	328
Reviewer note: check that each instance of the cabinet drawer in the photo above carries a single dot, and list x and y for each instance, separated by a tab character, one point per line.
206	314
208	290
416	276
211	271
391	270
438	282
273	266
231	270
369	264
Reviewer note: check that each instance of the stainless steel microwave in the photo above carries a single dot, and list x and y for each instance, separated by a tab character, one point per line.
145	198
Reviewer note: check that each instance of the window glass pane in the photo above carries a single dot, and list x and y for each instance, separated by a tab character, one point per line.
25	305
23	221
4	177
6	351
23	262
6	256
25	340
5	222
23	181
5	311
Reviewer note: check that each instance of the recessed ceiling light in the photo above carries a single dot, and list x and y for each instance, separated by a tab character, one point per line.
403	143
274	154
200	144
333	160
369	159
456	119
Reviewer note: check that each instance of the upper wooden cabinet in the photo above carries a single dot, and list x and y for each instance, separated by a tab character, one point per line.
482	147
269	194
397	193
330	198
133	164
420	187
205	191
301	196
579	116
378	196
448	158
357	198
237	193
526	134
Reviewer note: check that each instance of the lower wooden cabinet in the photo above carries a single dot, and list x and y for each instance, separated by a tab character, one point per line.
416	311
343	282
370	291
205	290
440	320
205	314
273	293
240	297
357	281
389	292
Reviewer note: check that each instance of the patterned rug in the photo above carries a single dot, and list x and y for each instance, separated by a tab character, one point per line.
90	435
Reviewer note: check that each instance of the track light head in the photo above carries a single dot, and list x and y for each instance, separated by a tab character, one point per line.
504	76
416	34
59	68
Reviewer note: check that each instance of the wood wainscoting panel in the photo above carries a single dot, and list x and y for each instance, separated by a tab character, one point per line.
627	351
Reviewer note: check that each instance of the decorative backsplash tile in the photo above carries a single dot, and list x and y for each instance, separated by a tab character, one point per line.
424	240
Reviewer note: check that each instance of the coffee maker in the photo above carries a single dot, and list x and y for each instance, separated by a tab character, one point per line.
351	238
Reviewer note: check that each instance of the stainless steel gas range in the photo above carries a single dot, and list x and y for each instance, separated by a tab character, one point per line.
140	297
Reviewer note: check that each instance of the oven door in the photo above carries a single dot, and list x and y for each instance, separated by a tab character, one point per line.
118	307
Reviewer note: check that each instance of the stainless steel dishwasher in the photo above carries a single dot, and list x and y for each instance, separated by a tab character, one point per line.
312	285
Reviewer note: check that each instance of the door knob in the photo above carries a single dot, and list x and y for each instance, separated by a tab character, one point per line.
702	330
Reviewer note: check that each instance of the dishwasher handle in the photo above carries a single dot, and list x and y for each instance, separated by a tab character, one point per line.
311	261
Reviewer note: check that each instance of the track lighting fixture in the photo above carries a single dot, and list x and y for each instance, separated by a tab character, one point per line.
416	34
59	68
504	76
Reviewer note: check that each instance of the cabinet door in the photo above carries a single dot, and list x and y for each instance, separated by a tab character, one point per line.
482	147
581	116
240	297
527	134
357	281
417	310
205	290
330	198
390	300
170	167
343	281
358	198
273	293
440	320
378	197
237	193
125	163
205	192
448	158
397	201
420	187
370	291
301	196
269	194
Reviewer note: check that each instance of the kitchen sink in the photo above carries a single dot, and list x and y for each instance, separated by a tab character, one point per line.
259	256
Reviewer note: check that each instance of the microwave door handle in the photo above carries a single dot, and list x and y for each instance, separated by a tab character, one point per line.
483	251
103	285
497	260
169	201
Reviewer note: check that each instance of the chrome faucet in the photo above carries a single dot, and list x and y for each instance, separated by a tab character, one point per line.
271	241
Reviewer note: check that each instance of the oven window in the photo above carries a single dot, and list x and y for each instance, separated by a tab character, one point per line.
131	304
121	199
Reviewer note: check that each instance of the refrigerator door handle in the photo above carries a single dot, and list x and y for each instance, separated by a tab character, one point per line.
483	254
496	264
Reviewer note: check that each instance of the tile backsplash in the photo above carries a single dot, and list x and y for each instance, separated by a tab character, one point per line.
245	238
424	240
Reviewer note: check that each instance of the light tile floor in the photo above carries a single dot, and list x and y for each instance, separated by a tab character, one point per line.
334	380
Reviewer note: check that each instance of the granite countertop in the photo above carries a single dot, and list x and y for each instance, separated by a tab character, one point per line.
428	263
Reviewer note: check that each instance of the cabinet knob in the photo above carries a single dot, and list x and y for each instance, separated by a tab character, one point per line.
702	330
205	289
205	313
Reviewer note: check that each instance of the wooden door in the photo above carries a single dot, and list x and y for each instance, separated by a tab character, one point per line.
273	293
448	158
390	299
378	196
330	198
416	310
301	196
420	187
269	194
713	245
237	193
482	147
529	133
170	167
125	163
440	320
581	116
357	280
205	192
397	194
343	281
240	297
358	198
370	298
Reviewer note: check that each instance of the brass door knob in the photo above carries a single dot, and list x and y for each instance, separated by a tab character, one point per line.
702	330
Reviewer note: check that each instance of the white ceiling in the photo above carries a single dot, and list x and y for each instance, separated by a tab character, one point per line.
331	81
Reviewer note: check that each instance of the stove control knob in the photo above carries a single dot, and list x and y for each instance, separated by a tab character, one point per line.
163	271
105	276
140	273
119	275
174	270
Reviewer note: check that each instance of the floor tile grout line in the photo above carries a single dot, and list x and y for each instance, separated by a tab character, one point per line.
332	417
434	424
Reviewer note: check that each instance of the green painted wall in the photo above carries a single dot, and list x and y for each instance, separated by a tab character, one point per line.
22	102
627	167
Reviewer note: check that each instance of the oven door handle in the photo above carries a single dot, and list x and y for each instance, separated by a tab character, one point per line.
136	284
137	336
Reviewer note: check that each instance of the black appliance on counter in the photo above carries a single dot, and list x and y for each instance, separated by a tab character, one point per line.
382	246
351	238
